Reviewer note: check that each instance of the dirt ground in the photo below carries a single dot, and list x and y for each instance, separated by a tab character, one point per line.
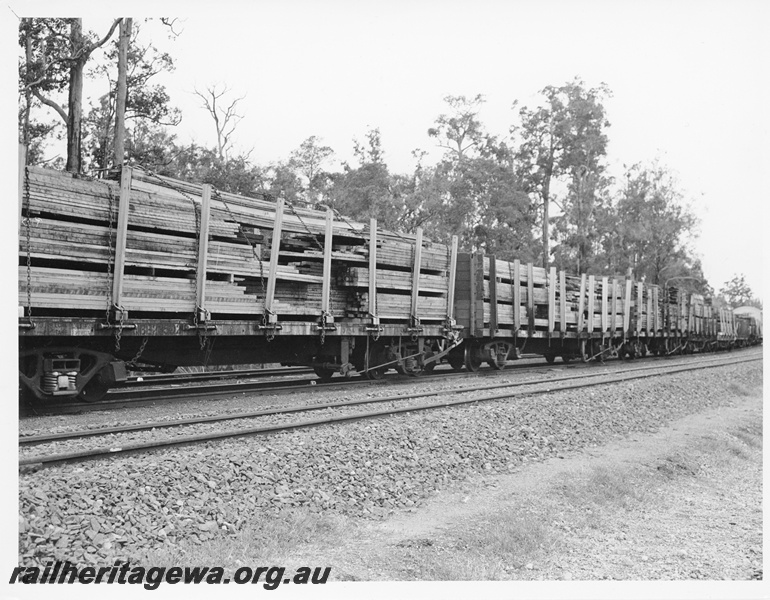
681	504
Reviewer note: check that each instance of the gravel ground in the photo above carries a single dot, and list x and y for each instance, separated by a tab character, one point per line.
123	508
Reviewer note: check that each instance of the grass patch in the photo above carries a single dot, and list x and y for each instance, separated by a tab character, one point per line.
678	465
269	540
461	566
513	536
502	542
602	487
751	435
740	390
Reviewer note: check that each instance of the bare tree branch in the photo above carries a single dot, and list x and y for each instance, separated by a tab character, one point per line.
170	24
103	41
225	120
51	103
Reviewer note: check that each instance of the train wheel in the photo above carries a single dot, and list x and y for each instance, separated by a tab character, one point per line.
550	357
323	373
376	374
26	397
456	361
94	390
627	351
499	355
565	358
472	358
412	367
377	356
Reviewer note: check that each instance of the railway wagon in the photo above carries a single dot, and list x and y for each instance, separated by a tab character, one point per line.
749	319
145	272
506	308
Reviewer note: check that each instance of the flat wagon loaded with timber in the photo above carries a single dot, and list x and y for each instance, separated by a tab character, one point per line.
507	308
151	273
146	273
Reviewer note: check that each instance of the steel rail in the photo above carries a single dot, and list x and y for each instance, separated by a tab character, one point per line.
91	454
127	397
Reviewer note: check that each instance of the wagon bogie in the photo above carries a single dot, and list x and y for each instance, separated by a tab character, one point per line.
68	373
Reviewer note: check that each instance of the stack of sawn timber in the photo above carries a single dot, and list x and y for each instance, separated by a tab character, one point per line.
394	279
641	303
71	247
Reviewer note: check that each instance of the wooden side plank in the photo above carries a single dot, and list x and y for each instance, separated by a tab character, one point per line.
516	294
551	300
120	241
203	251
492	296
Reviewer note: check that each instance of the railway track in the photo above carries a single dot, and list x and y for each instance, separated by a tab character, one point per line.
339	412
165	388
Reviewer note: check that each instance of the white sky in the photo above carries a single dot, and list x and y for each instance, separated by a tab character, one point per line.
689	84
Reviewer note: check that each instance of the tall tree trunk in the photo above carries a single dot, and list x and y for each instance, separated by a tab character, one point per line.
27	92
75	114
546	203
547	198
120	102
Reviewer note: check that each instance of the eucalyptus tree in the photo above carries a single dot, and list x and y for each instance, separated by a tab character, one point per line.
461	134
461	130
506	214
56	54
309	161
651	227
562	145
737	292
148	106
425	194
224	111
484	202
368	190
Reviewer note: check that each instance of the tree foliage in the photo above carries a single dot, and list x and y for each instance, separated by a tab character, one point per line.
56	53
461	130
563	141
737	292
367	191
649	226
147	103
308	161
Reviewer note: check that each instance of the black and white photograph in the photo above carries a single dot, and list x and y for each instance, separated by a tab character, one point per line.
390	299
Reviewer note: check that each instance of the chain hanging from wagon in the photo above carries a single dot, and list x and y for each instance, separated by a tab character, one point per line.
28	234
199	328
271	331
